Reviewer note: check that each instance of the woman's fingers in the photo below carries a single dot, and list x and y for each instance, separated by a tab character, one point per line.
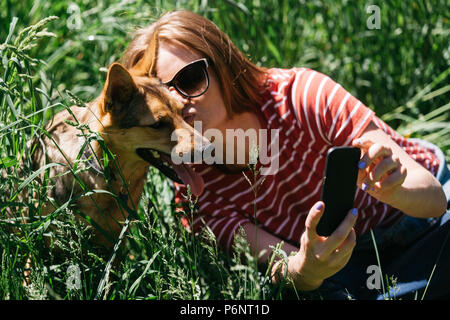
312	220
395	178
380	167
348	244
327	245
323	256
372	151
383	170
386	165
342	254
337	238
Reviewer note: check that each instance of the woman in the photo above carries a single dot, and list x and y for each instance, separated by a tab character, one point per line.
223	90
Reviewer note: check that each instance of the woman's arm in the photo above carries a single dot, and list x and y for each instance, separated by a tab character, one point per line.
317	258
396	179
260	240
390	175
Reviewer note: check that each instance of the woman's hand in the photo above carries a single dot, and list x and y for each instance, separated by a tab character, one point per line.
320	257
381	172
390	175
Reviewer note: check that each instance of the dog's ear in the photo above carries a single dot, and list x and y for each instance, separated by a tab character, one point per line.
146	66
119	89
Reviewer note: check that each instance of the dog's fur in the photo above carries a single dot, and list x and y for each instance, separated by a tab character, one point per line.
124	116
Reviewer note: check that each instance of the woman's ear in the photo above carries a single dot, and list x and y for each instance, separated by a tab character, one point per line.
119	89
146	66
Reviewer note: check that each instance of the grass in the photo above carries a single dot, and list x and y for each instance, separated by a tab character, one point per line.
55	54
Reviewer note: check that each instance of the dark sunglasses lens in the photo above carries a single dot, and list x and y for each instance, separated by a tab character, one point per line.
192	81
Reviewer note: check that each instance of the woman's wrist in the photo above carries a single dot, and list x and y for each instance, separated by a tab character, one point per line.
302	282
299	281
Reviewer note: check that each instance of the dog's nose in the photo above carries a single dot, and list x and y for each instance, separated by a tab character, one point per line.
188	114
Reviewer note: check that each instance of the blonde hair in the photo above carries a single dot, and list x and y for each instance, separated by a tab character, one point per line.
241	81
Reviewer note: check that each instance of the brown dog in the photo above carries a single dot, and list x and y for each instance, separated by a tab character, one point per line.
134	117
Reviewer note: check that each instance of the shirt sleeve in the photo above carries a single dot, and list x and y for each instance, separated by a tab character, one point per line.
326	111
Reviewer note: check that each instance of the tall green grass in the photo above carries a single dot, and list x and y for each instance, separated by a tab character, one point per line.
160	259
53	52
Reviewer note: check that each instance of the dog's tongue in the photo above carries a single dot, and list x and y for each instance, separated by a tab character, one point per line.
190	177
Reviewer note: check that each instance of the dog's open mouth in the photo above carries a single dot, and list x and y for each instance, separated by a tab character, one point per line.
180	173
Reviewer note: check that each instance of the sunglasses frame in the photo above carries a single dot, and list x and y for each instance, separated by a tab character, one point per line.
172	83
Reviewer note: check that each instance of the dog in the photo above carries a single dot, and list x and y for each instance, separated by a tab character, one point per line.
136	118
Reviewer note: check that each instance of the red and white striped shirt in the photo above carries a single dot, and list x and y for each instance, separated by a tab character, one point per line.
313	113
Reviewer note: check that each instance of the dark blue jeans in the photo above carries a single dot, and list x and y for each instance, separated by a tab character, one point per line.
413	259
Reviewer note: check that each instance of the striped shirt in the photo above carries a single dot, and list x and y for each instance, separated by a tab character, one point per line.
313	113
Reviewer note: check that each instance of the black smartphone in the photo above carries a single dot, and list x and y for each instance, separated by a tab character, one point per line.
339	187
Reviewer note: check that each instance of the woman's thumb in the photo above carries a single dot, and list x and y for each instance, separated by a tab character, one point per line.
313	218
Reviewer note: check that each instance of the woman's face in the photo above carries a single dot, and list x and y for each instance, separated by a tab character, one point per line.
209	108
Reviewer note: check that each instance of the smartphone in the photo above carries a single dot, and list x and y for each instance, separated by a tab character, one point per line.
339	187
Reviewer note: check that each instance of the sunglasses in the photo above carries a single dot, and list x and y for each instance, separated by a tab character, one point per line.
192	80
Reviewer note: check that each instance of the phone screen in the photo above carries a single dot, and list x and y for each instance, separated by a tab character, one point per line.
339	187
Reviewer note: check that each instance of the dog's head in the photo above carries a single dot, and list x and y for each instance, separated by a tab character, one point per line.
141	120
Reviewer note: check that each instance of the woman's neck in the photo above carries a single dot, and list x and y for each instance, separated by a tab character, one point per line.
242	133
